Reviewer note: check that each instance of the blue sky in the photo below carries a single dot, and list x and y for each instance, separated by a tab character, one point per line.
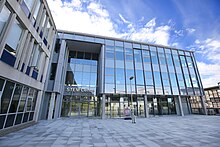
186	24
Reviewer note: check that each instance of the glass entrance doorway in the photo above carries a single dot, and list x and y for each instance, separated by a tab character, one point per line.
161	106
80	106
115	106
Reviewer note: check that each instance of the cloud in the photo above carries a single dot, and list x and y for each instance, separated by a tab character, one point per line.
190	30
73	4
123	19
209	74
179	32
151	33
91	17
209	49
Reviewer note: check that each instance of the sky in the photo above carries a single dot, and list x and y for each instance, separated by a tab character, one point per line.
185	24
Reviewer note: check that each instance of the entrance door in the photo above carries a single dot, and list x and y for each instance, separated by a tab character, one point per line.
78	108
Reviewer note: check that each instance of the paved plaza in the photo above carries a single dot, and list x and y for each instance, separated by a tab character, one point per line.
166	131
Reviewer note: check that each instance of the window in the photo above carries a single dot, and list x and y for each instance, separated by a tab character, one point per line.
109	88
120	76
154	57
47	29
139	77
4	15
119	53
29	4
36	56
23	99
44	20
6	97
15	99
36	9
14	37
109	52
137	55
53	71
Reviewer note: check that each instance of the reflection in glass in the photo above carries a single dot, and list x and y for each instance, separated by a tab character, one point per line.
15	99
23	99
6	96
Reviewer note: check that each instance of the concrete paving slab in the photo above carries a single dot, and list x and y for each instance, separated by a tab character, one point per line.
191	130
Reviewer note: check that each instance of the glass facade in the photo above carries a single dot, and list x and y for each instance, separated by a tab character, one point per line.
161	73
147	78
81	85
17	103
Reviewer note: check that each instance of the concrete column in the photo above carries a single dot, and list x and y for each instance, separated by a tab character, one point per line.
103	106
24	49
180	106
58	107
146	110
58	82
203	105
38	103
51	107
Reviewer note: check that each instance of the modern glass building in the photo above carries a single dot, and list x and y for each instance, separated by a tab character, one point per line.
27	35
45	75
101	76
212	99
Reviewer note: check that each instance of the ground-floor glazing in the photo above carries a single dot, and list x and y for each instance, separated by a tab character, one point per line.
142	106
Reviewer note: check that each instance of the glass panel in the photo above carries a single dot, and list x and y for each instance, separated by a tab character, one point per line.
15	99
109	63
23	99
25	117
137	55
120	89
29	3
109	71
119	53
129	45
135	45
109	42
2	120
6	96
119	64
139	77
154	57
110	54
34	100
14	37
1	85
109	79
109	88
144	46
150	89
10	120
140	89
129	54
147	67
129	73
4	15
118	43
120	76
36	9
18	118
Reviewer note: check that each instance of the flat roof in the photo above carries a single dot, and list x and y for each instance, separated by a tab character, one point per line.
210	88
120	39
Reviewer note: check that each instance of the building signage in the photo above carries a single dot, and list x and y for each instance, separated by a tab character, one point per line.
77	89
